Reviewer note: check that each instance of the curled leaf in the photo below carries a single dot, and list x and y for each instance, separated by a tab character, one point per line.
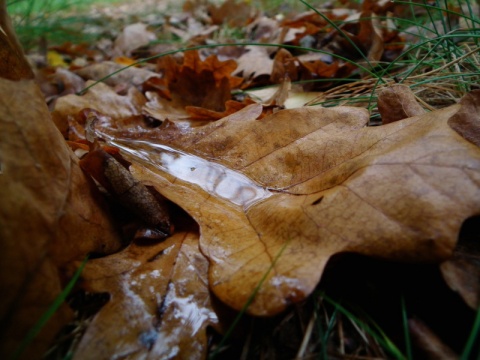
397	102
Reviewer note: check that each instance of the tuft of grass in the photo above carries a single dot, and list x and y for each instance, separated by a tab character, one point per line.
52	22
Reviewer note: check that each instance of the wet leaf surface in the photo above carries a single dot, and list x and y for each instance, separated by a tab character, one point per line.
159	298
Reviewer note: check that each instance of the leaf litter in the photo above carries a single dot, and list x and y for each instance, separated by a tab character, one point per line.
254	176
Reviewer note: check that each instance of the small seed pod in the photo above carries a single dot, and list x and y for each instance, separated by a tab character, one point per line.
121	184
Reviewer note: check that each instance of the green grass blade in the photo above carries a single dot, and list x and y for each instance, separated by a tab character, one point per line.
35	330
473	338
378	335
406	332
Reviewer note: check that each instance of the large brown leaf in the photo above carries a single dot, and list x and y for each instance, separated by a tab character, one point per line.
315	181
49	215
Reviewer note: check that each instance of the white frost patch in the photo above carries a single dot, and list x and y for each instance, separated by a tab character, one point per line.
155	274
167	250
187	311
135	302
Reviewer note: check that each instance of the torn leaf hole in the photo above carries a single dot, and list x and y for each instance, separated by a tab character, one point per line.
318	201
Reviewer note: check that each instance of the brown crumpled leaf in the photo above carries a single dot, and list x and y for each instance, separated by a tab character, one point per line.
397	102
307	184
50	215
159	304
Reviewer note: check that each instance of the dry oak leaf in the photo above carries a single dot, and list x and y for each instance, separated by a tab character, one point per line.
159	304
314	182
50	215
205	83
255	62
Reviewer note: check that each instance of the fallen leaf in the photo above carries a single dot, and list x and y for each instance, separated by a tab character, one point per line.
196	82
132	75
368	40
264	29
466	120
254	63
50	215
397	102
132	37
314	181
461	274
230	12
231	106
159	304
58	82
161	109
101	98
284	65
462	271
